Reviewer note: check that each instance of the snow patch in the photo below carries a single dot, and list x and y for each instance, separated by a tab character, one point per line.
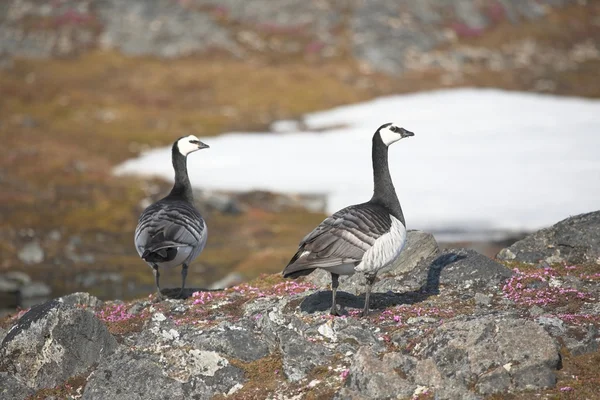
481	160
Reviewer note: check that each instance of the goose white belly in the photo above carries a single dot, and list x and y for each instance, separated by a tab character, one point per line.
385	250
344	269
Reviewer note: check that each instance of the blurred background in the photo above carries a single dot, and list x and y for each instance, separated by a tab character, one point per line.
86	86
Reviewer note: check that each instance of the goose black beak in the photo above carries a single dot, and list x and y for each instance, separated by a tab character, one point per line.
201	145
404	133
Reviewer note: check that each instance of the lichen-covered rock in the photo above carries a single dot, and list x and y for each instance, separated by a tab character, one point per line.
493	353
81	299
376	378
239	341
468	269
445	328
300	356
53	342
12	388
130	376
575	240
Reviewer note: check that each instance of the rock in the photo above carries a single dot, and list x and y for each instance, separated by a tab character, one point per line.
31	253
582	341
424	336
552	324
373	378
419	246
462	269
384	36
81	299
474	353
158	27
301	356
126	376
575	240
11	388
234	341
53	342
482	299
468	269
353	334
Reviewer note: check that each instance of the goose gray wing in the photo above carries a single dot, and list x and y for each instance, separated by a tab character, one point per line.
342	238
170	224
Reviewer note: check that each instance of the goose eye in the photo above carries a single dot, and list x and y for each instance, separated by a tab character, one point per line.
194	141
394	129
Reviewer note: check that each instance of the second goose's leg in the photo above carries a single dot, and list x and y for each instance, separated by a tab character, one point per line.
157	281
334	286
370	280
184	271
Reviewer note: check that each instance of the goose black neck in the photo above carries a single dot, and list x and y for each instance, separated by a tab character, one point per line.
384	192
182	186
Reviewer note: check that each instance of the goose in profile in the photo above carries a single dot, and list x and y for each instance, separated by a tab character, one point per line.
171	232
361	238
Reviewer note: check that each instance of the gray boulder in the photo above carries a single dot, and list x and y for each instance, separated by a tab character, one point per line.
235	341
300	356
372	378
81	299
467	269
13	389
53	342
575	240
177	374
493	354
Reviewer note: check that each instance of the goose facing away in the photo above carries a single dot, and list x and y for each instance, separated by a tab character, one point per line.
171	232
360	238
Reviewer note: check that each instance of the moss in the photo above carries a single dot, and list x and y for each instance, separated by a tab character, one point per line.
68	390
263	378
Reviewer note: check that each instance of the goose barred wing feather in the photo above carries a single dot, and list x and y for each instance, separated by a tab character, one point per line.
169	224
342	238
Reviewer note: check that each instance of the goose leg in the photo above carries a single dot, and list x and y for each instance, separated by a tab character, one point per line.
370	280
156	280
334	286
184	271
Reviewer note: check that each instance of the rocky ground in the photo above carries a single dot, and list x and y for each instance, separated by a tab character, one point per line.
88	84
444	324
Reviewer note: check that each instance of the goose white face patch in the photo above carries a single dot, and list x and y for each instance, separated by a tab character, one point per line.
185	145
385	250
388	136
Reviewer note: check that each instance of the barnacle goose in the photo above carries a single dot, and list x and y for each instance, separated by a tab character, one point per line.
171	232
360	238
